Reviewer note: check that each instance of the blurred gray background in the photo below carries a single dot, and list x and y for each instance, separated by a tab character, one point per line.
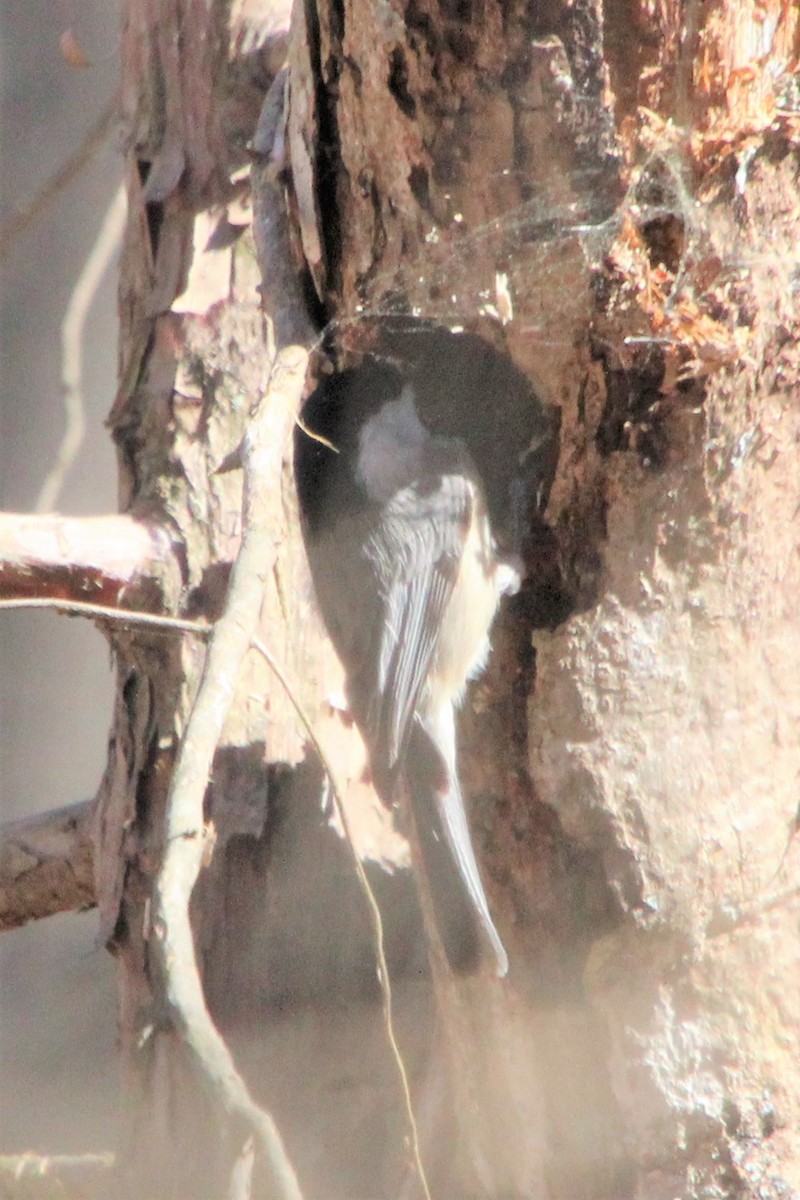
57	1018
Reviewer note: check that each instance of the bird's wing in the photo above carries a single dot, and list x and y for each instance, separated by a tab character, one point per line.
416	548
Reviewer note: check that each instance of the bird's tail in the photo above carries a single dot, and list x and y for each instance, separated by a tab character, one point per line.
441	818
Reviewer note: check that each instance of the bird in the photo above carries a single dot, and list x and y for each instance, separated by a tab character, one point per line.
408	577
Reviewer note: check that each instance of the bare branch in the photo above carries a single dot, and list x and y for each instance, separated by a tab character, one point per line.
172	941
69	1176
105	612
72	330
46	865
95	559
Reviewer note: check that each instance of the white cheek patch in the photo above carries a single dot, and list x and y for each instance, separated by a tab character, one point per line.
463	644
508	576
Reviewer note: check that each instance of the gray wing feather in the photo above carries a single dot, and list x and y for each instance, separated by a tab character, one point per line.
417	547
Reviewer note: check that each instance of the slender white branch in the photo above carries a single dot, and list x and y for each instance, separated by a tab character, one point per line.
100	256
172	942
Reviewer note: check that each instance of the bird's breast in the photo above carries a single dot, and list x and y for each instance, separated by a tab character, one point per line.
463	643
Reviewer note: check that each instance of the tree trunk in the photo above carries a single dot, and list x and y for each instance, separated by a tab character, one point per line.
608	199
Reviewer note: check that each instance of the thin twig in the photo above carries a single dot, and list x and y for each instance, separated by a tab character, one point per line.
201	629
172	942
375	912
73	325
18	225
166	624
105	612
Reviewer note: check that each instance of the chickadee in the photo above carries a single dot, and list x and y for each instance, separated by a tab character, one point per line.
408	579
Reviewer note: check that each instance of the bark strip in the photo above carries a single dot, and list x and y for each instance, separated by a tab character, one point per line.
172	941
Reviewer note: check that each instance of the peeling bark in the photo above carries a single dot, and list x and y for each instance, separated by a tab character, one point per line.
607	195
530	196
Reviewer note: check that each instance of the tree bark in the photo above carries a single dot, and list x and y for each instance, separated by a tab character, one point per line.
621	183
607	197
46	865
